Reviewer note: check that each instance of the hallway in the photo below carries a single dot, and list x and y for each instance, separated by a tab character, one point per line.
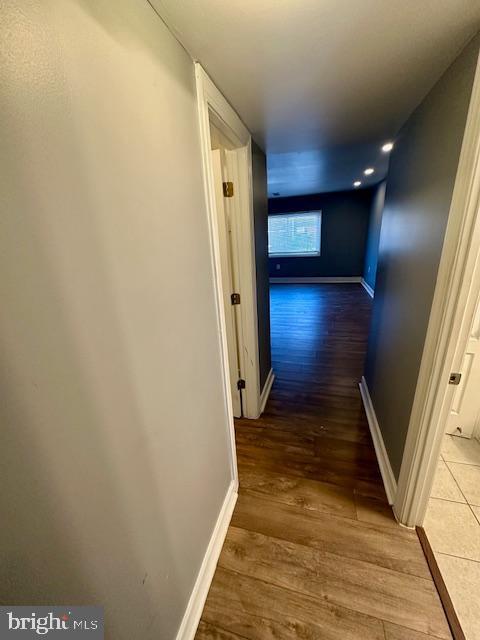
313	550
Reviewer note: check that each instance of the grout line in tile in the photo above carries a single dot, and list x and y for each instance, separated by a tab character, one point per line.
452	555
474	514
448	500
467	504
459	487
471	464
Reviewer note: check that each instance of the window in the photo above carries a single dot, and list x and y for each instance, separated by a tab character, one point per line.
294	234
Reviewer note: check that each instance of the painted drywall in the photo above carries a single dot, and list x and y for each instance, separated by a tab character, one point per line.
345	218
114	455
373	236
260	213
420	183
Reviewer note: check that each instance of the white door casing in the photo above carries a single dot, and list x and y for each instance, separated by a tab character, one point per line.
227	278
214	109
464	415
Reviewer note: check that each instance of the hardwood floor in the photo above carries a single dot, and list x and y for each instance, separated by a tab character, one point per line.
313	551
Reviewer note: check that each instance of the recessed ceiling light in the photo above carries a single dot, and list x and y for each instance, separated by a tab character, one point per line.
356	184
387	147
369	171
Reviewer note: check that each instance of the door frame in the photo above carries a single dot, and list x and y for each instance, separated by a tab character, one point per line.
456	292
213	107
227	269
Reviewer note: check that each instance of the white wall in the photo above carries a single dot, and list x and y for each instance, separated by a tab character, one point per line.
114	450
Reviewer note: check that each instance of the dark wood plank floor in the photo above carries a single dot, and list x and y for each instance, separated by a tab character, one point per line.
313	551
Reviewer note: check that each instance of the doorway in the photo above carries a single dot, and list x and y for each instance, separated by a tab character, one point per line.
227	167
452	521
223	160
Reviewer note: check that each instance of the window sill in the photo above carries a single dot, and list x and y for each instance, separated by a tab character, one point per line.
294	255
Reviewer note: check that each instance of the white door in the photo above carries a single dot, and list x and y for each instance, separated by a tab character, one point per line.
465	413
224	235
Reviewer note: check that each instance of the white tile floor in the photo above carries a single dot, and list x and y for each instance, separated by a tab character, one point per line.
452	525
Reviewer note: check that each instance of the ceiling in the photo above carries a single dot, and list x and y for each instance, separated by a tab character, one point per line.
321	84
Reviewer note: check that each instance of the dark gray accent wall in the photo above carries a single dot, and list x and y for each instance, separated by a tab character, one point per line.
373	238
260	213
420	183
345	218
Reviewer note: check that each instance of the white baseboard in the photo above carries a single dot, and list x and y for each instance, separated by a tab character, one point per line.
388	477
266	390
367	288
193	613
317	280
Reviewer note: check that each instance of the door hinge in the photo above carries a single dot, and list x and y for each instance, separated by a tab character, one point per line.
455	378
235	298
241	384
228	189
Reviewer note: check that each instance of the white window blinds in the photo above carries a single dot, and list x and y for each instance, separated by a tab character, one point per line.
294	234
